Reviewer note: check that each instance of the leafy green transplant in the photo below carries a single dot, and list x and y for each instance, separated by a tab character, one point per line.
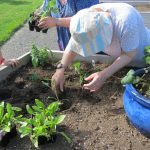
8	117
43	122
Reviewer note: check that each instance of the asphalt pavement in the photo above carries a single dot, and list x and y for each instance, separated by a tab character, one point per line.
23	39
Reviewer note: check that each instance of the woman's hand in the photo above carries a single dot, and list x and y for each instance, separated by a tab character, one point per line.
96	81
57	82
47	22
11	62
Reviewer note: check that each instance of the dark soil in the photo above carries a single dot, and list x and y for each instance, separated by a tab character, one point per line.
94	121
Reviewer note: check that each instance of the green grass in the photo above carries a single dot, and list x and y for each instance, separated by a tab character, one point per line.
13	14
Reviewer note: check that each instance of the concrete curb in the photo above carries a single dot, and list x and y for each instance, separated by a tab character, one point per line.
5	71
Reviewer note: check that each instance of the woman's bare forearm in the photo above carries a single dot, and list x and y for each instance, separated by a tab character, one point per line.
68	58
118	64
63	22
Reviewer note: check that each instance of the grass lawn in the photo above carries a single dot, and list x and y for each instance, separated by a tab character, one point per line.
13	14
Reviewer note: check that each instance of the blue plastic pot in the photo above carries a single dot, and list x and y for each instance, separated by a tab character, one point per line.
137	108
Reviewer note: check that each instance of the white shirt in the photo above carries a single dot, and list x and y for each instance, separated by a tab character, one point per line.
129	31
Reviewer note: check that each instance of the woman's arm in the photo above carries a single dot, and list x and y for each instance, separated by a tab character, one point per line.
123	60
58	77
49	22
97	79
1	58
10	62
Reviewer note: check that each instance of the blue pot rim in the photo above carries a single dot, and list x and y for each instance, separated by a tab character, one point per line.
138	97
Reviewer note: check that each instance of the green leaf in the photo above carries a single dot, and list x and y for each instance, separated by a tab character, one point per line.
43	56
66	137
129	78
52	3
18	119
6	128
40	118
37	109
147	60
1	110
53	107
39	103
16	109
77	67
136	80
2	104
147	49
35	141
34	56
57	120
131	72
6	118
51	98
24	130
40	131
29	110
35	62
45	83
9	109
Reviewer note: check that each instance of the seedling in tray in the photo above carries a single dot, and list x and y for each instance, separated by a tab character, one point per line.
8	119
39	14
42	125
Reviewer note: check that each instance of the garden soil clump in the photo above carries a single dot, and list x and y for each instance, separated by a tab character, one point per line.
94	121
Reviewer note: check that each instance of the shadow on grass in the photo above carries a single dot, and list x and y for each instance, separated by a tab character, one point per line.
13	2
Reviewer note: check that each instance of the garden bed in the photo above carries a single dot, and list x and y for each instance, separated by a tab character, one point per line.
93	121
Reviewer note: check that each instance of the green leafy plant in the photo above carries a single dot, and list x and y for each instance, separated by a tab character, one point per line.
137	78
39	56
36	16
147	55
82	74
8	117
43	122
50	8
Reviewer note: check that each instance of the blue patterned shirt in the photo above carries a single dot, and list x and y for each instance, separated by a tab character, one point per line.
68	10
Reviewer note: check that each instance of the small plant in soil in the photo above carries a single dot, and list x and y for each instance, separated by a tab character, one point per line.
40	57
82	74
8	120
36	16
34	77
42	125
140	78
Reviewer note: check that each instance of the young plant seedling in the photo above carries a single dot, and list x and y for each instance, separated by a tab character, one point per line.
43	123
137	77
40	14
8	118
147	55
80	72
40	57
